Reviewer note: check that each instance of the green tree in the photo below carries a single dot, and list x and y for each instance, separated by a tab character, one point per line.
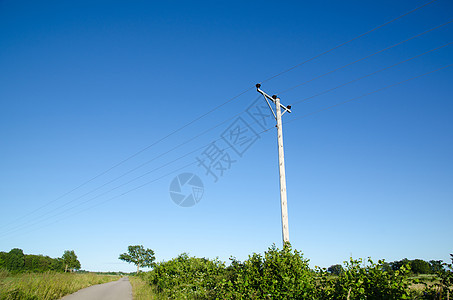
419	266
139	256
38	263
397	264
70	261
15	260
3	256
336	269
436	266
57	265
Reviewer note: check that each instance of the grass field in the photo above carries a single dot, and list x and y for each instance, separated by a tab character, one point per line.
46	286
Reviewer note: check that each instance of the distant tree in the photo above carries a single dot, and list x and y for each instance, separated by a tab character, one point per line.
446	280
70	261
397	264
3	256
39	263
436	266
139	256
15	260
336	270
419	266
386	267
57	265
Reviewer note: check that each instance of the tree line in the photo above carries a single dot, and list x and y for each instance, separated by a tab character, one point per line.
16	261
417	266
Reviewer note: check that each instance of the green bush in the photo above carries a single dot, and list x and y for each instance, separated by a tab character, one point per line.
186	277
280	274
372	281
285	274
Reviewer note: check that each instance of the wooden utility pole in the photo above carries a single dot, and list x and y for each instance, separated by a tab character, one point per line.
281	158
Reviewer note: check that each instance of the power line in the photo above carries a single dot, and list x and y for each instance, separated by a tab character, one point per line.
367	94
193	138
368	56
373	73
141	165
304	116
124	193
107	200
287	122
19	227
347	42
132	156
207	113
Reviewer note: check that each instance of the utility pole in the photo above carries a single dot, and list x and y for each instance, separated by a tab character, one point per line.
281	159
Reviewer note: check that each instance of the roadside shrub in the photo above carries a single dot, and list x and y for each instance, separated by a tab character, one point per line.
285	274
359	281
279	274
186	277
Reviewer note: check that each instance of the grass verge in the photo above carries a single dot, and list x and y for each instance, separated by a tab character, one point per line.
46	286
141	290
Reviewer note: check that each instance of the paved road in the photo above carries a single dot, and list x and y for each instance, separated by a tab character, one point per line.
116	290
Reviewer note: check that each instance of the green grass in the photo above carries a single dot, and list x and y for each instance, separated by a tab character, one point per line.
141	290
46	286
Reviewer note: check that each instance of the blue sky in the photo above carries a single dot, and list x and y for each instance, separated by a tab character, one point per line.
86	85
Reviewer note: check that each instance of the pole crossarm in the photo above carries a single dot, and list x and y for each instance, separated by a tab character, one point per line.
273	99
281	159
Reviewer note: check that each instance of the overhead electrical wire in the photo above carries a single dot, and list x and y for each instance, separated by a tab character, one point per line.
209	112
39	219
210	129
266	130
223	122
366	57
134	155
135	168
109	199
347	42
367	94
197	149
117	187
370	74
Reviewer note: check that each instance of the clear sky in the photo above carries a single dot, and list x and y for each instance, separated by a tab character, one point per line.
86	85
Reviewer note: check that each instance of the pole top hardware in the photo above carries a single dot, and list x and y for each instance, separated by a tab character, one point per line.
273	99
